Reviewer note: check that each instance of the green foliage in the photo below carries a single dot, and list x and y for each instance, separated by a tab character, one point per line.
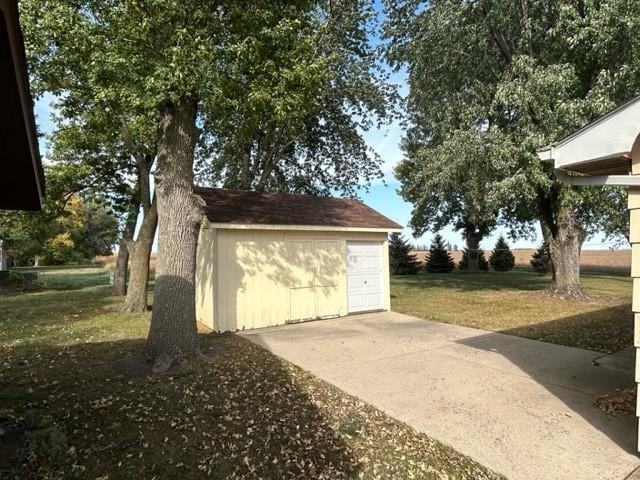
492	81
296	100
450	182
14	278
285	90
438	259
540	260
72	230
44	439
401	262
502	259
463	264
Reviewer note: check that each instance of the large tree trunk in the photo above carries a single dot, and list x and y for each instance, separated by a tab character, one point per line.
564	252
565	239
173	332
122	260
473	250
140	253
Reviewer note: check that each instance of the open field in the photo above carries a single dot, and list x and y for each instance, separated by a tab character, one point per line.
515	303
618	261
77	400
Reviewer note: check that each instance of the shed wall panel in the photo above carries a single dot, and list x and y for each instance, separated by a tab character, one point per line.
205	266
258	271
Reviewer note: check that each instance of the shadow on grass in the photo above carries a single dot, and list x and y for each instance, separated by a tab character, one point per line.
517	279
465	281
564	372
237	412
606	330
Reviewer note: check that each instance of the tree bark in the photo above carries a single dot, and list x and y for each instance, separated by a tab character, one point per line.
140	253
473	252
564	238
140	249
173	332
565	263
122	260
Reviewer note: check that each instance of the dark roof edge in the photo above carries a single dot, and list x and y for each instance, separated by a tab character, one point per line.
377	212
16	41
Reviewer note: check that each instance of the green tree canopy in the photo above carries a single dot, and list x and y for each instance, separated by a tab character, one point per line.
295	101
438	259
502	259
540	260
518	75
401	261
82	229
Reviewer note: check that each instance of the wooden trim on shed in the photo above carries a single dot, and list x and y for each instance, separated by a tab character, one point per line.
314	228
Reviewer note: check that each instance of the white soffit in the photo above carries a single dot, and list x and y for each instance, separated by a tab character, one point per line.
607	138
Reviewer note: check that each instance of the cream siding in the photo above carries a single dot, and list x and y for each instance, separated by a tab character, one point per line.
205	276
634	239
272	277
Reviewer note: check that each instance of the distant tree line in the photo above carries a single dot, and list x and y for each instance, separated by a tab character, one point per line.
439	260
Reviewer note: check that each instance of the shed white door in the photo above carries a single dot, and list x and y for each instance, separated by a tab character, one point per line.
364	276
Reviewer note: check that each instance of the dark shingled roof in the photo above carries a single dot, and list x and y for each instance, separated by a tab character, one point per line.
245	207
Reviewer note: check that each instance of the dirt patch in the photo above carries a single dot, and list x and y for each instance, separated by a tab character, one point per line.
133	366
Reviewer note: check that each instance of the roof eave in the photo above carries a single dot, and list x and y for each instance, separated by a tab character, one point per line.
324	228
20	81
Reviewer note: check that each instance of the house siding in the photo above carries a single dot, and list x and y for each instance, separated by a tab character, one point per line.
634	240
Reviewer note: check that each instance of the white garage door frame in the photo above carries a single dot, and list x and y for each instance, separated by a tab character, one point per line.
365	283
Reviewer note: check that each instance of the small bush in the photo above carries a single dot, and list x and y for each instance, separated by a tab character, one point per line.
401	262
439	260
540	260
483	264
44	438
14	278
501	259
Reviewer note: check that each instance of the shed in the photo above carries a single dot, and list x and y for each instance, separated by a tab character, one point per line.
268	259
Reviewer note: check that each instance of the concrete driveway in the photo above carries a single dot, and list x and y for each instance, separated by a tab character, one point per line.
520	407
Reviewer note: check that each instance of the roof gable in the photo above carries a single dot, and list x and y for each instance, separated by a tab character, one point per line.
242	207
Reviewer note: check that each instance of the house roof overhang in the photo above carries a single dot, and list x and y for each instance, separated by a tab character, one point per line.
21	172
602	147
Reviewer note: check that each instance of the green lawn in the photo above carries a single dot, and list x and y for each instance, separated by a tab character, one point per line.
515	303
78	400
